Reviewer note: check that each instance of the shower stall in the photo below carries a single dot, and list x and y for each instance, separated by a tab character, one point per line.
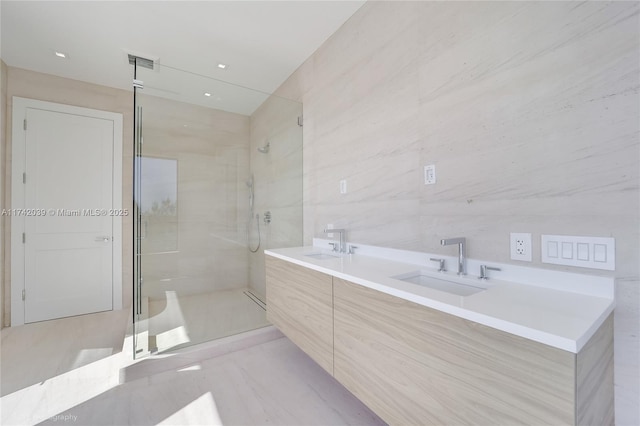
217	180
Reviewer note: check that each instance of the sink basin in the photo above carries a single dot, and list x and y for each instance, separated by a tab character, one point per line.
440	284
322	256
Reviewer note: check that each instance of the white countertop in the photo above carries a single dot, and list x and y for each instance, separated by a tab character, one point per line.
563	318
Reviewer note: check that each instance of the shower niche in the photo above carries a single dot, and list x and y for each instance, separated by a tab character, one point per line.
207	171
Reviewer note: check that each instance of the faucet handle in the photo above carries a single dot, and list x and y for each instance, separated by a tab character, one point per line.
334	245
484	269
440	263
352	249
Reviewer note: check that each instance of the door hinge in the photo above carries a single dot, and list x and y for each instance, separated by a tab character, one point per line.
24	178
139	84
24	124
24	238
23	294
300	120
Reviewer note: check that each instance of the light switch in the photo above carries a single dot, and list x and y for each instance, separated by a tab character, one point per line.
599	252
583	251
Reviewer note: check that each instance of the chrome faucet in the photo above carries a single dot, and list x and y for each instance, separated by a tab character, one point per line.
440	263
343	238
483	271
461	257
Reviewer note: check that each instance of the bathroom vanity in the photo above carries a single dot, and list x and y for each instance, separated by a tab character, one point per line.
420	356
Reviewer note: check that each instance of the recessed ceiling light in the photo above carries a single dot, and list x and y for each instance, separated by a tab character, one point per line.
207	94
61	55
222	66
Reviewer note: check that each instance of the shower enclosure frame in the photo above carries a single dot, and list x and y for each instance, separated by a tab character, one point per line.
143	315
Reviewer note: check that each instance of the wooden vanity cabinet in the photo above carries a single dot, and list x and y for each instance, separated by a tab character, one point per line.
300	304
414	365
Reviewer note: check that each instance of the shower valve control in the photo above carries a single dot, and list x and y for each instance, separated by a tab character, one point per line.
267	217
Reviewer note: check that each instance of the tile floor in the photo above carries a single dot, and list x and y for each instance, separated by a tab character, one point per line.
177	321
70	371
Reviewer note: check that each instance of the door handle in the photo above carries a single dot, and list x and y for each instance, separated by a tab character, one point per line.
103	239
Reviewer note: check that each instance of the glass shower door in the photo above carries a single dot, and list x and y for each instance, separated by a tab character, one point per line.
192	168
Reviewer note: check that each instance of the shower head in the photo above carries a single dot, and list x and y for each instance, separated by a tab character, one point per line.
265	149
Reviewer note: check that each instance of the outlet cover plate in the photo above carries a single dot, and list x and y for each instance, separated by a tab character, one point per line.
430	174
521	246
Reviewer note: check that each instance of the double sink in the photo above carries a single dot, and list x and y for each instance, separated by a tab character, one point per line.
425	278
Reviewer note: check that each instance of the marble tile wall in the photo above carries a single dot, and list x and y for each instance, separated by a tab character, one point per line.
3	127
208	231
46	87
278	181
529	110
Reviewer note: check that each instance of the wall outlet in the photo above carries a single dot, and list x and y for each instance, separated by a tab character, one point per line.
430	174
521	247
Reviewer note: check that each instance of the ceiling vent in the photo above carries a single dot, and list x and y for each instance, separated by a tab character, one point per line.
140	61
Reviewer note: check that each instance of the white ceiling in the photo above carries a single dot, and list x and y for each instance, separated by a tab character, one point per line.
262	42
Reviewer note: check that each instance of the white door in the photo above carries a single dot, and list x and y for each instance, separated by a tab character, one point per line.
66	254
68	241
